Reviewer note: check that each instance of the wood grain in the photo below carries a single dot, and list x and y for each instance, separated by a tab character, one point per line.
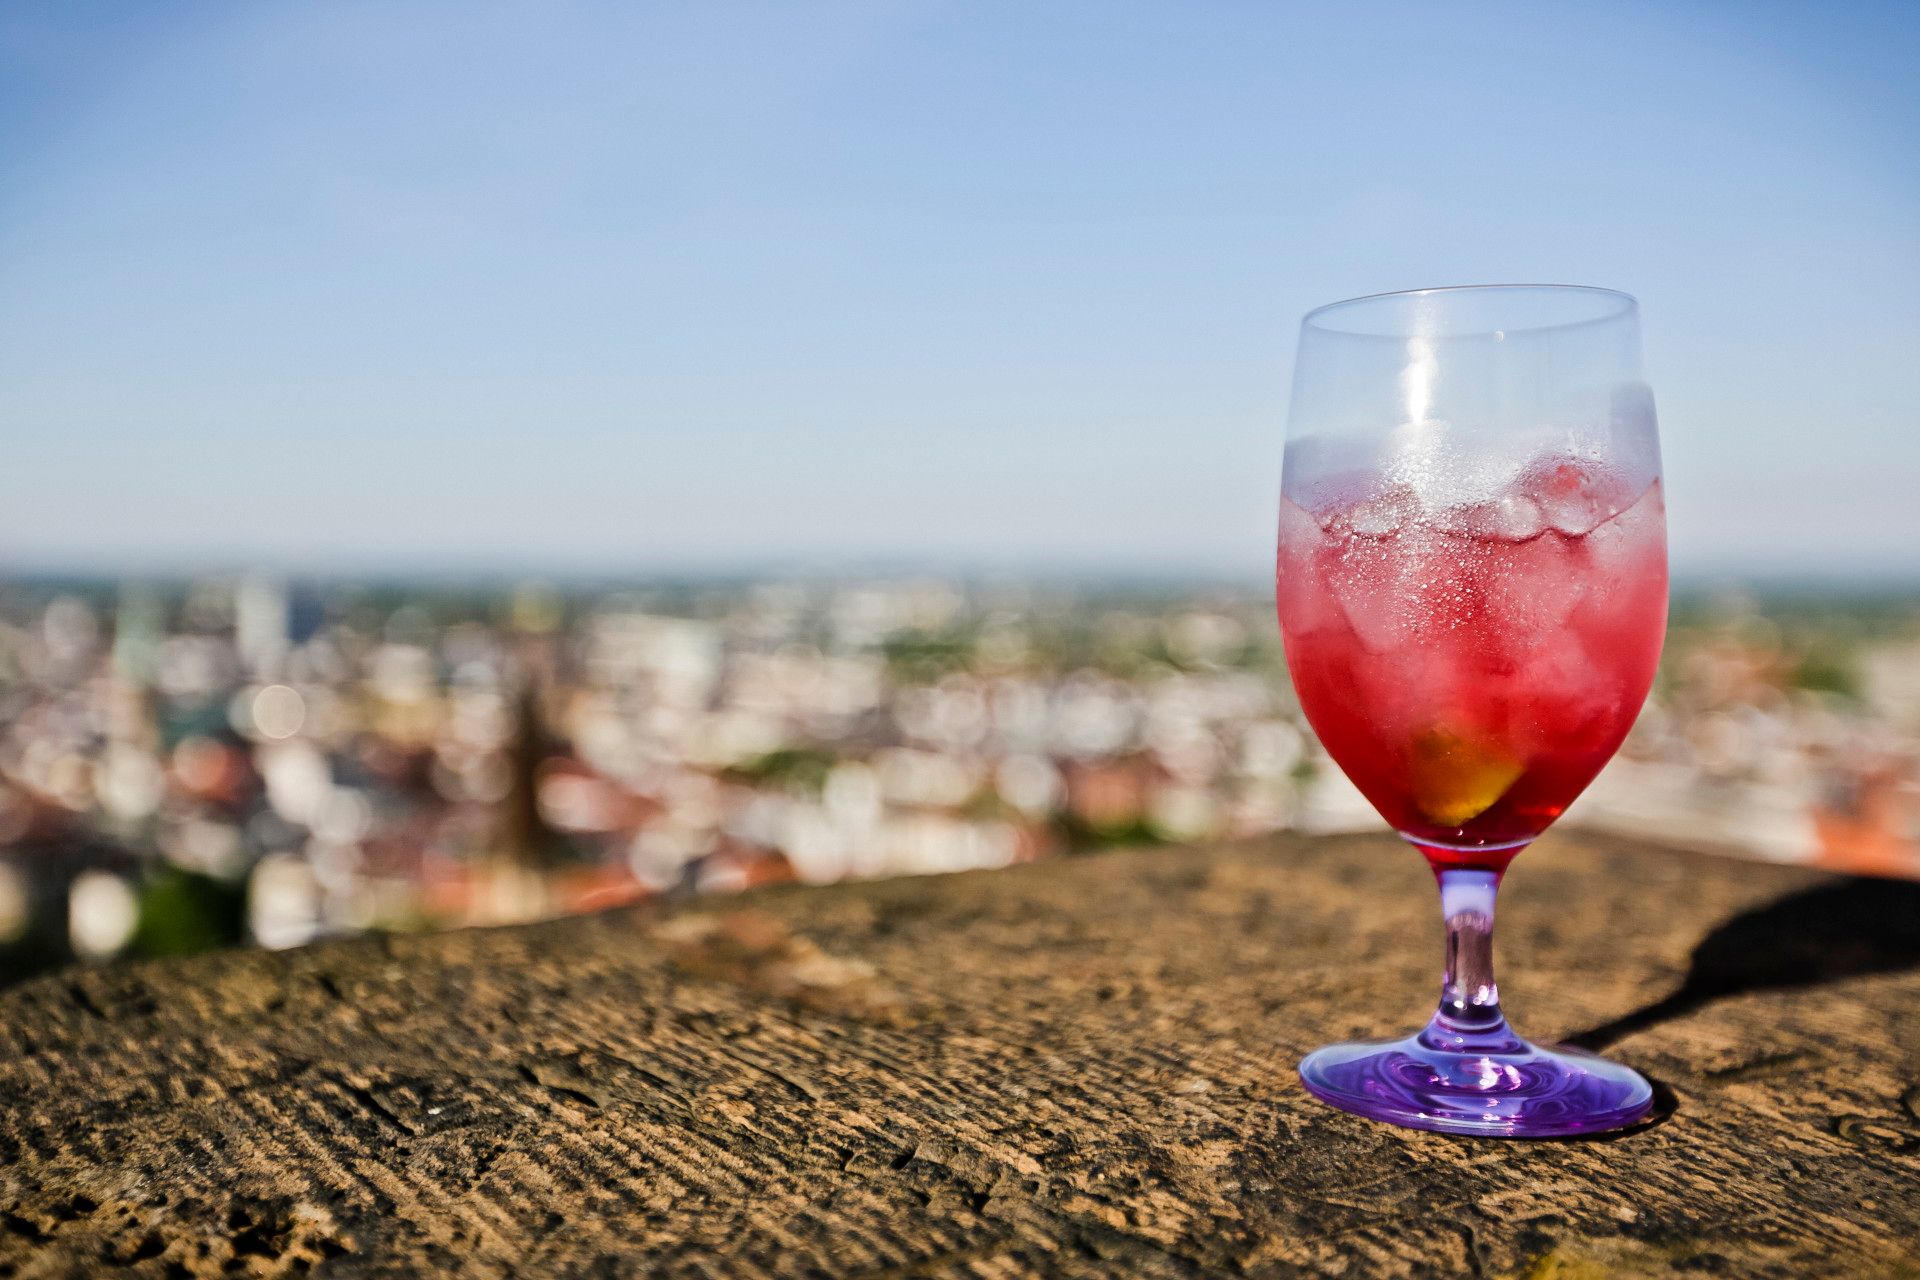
1081	1067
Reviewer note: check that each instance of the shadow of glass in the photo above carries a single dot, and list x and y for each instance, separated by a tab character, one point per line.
1840	930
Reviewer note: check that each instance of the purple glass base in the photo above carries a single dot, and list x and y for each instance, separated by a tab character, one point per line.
1483	1081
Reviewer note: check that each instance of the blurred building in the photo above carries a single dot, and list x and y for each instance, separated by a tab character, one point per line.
202	763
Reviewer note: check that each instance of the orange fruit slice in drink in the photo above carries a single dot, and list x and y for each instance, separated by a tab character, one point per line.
1455	779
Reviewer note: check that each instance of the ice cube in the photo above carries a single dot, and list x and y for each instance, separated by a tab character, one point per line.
1631	547
1574	693
1446	466
1299	531
1574	496
1383	513
1305	605
1510	517
1396	586
1364	578
1531	586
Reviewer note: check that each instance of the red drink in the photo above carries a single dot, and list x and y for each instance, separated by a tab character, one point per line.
1472	668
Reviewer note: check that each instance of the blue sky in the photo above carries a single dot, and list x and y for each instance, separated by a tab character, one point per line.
647	286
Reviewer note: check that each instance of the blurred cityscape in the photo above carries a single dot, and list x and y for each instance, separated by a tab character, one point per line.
195	764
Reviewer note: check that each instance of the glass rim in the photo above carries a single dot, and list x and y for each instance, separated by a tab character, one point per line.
1619	305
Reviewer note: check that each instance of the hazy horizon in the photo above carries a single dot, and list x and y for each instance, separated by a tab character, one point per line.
1891	580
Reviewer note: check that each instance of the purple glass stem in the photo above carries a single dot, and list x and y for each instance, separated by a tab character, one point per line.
1469	996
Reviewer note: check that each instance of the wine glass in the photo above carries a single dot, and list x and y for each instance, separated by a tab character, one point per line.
1472	585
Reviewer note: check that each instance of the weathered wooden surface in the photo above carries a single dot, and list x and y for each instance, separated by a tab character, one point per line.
1078	1068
